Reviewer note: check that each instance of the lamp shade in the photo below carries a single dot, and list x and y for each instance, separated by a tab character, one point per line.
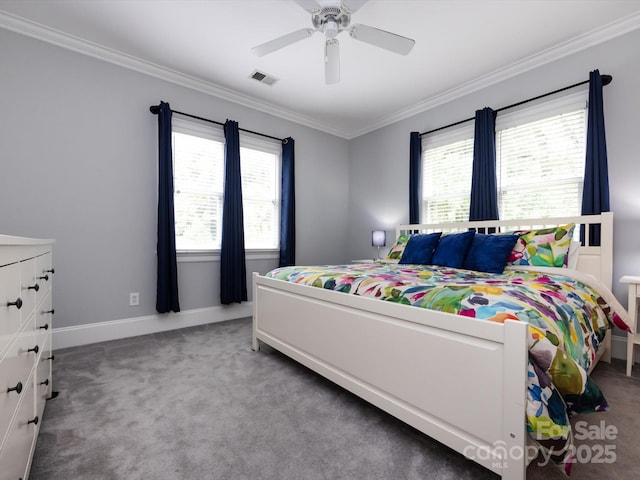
378	238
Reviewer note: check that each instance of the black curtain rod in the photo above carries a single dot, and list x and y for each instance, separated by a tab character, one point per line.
155	109
606	80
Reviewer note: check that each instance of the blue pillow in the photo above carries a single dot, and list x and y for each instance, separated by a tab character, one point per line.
489	253
420	248
452	249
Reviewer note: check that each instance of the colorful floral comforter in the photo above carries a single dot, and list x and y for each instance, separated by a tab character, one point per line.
567	319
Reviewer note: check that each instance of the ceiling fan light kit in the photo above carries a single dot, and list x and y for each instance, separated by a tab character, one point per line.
331	18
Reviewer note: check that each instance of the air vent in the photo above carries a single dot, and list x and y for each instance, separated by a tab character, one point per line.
264	78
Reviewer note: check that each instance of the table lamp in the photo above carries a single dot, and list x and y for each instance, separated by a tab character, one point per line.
378	239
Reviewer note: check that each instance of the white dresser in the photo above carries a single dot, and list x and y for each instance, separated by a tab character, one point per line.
26	313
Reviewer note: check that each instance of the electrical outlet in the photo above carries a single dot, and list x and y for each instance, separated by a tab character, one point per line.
134	299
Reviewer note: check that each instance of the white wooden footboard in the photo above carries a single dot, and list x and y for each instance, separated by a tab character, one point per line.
459	380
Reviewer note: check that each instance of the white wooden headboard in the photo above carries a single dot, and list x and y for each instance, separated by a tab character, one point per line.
594	260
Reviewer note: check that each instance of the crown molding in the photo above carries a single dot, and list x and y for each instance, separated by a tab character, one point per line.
557	52
79	45
76	44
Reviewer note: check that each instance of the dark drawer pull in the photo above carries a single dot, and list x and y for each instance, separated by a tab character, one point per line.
34	421
17	303
44	327
35	349
44	277
35	287
52	357
46	382
50	271
52	311
17	388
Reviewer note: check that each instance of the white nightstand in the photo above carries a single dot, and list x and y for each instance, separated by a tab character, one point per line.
632	338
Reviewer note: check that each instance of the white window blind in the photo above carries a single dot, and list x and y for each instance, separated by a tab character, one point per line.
261	196
198	175
540	167
446	182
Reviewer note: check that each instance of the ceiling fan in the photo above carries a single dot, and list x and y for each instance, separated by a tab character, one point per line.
331	17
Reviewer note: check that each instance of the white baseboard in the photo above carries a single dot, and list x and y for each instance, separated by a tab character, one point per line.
131	327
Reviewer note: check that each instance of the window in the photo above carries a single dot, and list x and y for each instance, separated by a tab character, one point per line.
540	155
446	177
198	174
540	165
260	164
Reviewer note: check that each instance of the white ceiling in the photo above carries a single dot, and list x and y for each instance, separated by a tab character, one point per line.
461	45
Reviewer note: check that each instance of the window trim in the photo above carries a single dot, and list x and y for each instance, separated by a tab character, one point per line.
195	256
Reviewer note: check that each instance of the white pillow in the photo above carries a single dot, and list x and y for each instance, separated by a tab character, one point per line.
574	251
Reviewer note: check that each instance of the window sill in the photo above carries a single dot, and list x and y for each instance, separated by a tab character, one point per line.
187	256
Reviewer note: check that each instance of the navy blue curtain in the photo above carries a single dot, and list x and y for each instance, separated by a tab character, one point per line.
415	177
484	192
167	287
595	193
233	270
288	205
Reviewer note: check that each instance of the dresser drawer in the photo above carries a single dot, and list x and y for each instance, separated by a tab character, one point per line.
44	275
10	315
43	378
44	316
15	454
29	286
15	370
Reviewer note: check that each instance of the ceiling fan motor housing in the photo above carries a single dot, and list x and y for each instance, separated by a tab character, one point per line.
331	20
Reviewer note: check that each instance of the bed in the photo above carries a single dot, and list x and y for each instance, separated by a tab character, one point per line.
419	364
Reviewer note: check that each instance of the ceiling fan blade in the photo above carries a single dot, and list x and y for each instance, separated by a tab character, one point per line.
353	5
332	61
283	41
309	5
380	38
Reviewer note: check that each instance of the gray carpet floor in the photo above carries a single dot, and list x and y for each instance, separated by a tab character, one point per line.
199	404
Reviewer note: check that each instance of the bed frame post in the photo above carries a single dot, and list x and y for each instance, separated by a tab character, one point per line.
606	253
255	344
514	432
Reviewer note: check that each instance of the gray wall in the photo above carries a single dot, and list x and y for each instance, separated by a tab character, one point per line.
78	157
379	176
79	154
